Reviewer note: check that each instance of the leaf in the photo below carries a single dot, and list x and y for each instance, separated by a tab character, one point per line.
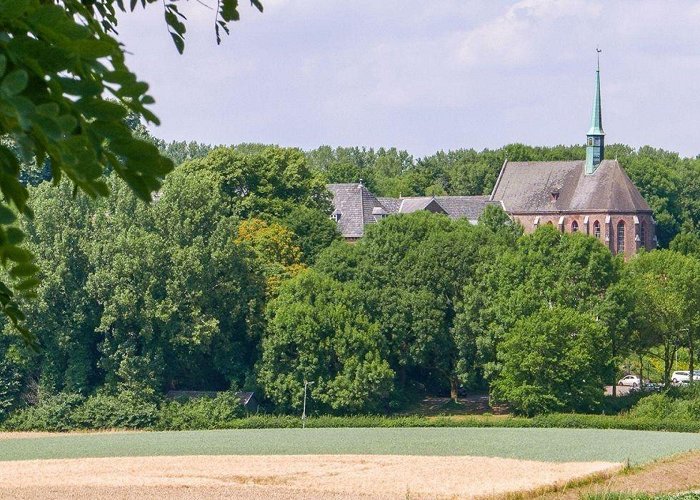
82	88
179	42
15	236
101	109
257	4
229	10
7	216
27	284
3	64
16	254
24	270
10	9
15	82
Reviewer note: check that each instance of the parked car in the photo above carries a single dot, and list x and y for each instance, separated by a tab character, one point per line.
683	377
629	380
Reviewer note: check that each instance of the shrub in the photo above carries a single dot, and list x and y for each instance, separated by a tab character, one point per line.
54	413
124	410
219	412
678	403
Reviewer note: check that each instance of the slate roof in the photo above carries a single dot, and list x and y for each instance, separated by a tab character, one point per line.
410	205
357	207
355	204
469	207
528	187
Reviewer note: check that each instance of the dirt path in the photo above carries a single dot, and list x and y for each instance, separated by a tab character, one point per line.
300	476
673	474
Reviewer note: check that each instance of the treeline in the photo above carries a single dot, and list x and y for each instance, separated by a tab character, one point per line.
669	183
235	277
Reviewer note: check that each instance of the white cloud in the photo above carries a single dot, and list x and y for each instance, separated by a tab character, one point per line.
524	32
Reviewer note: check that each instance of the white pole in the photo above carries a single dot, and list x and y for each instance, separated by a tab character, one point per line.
303	413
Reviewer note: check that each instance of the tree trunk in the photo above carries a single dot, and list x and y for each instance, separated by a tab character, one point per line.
614	380
691	353
453	388
641	367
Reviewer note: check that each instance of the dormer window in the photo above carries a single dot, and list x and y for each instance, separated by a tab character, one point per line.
336	215
555	196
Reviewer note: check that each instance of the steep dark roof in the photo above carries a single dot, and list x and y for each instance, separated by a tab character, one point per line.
357	206
469	207
530	187
414	204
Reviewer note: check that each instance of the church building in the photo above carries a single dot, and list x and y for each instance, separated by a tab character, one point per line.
594	196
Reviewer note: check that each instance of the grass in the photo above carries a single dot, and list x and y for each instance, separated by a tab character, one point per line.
643	496
522	443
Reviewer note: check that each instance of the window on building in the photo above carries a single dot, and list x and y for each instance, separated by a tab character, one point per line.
590	141
574	227
620	237
335	216
643	234
555	195
596	229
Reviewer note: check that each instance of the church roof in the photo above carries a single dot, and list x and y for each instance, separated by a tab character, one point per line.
563	186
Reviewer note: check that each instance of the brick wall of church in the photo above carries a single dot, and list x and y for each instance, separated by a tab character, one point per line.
643	227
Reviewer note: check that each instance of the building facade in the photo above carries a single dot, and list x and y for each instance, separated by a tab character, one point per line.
593	196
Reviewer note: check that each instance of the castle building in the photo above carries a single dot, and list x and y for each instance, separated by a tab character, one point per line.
593	196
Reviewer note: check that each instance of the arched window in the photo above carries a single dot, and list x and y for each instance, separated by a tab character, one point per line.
574	227
596	229
620	237
643	234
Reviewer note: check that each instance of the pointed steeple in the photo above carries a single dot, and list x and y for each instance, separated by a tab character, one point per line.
595	145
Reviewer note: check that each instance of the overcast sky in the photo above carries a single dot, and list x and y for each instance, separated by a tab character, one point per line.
425	76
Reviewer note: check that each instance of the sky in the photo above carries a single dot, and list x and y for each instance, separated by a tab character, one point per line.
425	76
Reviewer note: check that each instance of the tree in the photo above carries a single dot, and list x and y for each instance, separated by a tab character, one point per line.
272	251
553	360
65	91
266	184
667	302
319	332
313	230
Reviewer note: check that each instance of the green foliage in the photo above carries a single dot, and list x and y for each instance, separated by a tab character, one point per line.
219	412
123	410
141	297
681	404
65	96
313	231
53	413
553	360
665	286
318	332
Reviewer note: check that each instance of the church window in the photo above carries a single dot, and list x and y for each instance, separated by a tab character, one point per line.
596	229
620	237
643	234
590	141
574	227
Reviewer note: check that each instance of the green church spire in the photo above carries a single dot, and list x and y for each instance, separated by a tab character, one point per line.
595	145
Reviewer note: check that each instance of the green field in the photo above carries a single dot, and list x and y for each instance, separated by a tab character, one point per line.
536	444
